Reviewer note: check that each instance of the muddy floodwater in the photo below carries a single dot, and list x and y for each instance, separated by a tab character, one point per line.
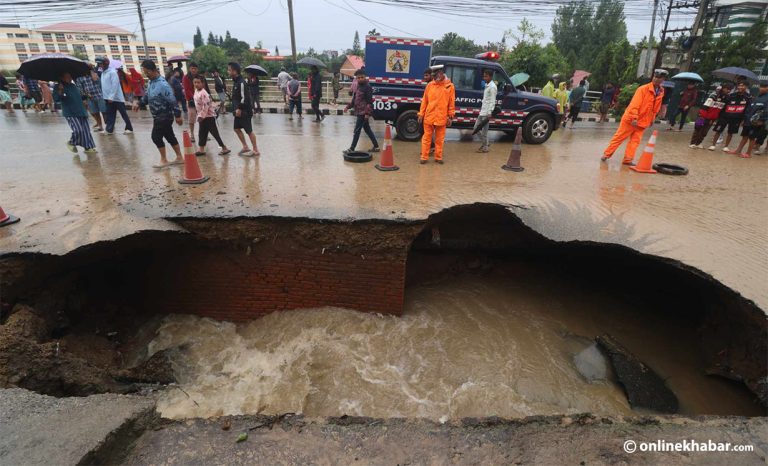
504	344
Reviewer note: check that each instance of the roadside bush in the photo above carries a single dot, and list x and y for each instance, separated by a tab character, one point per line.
625	96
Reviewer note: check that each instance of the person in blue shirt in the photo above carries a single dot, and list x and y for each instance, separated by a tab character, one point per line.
164	109
112	92
68	95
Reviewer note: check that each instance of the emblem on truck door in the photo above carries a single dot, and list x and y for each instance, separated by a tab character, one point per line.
398	61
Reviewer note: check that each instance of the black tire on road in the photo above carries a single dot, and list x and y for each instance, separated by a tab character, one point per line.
357	157
670	169
537	128
408	126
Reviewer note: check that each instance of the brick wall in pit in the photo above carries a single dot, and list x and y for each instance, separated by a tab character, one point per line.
232	285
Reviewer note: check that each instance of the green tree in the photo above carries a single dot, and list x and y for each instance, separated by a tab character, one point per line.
210	57
277	52
455	45
526	32
356	49
197	39
529	56
211	39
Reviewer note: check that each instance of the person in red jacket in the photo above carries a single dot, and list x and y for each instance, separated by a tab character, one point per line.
687	100
709	114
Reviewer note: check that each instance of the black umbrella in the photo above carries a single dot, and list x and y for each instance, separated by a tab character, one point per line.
50	67
311	61
734	73
257	70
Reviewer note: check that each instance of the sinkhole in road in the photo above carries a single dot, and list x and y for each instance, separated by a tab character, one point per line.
468	313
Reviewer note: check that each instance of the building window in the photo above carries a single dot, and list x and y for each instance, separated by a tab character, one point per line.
10	35
34	47
124	39
50	48
63	48
114	49
79	48
162	50
129	59
22	36
153	58
23	57
112	38
140	48
47	37
126	49
723	17
97	48
152	49
60	37
21	48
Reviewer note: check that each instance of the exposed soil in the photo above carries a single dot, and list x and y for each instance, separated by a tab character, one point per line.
70	323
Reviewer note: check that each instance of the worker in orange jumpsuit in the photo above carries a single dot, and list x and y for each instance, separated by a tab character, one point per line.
639	115
438	108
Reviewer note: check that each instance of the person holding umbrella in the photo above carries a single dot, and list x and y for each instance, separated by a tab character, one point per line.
316	92
114	98
254	86
164	109
687	100
241	104
68	95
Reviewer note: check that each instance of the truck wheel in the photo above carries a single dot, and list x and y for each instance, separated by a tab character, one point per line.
537	128
408	126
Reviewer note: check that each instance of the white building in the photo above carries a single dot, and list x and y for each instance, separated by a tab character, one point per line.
86	40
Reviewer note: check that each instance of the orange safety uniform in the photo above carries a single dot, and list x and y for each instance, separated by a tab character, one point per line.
643	108
437	105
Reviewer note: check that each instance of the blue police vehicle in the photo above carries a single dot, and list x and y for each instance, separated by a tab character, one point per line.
395	68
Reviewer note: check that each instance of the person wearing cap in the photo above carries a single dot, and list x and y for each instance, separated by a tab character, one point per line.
640	114
709	114
755	119
438	108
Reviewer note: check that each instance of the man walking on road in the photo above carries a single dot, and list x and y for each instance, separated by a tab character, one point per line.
687	100
362	102
639	115
114	99
164	109
90	87
575	100
241	104
221	91
283	78
315	93
486	110
438	108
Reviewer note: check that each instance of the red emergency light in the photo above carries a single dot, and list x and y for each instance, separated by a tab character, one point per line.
490	56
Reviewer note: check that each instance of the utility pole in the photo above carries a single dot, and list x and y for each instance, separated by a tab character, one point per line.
662	44
648	71
143	31
293	34
697	33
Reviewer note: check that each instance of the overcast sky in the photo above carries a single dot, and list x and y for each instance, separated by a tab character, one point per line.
331	24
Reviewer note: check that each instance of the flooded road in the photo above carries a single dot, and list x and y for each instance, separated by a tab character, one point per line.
499	345
715	219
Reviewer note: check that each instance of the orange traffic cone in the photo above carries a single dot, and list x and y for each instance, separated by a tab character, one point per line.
192	172
387	163
513	163
646	160
7	219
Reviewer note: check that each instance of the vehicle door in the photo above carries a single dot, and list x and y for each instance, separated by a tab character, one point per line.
469	96
512	106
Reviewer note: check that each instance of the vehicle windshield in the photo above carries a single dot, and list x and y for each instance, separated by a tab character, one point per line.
501	79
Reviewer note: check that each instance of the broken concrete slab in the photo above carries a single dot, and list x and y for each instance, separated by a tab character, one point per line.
43	430
644	388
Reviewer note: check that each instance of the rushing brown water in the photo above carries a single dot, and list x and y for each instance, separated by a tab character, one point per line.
502	345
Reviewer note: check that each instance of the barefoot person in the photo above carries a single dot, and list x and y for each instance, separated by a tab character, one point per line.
164	109
639	115
74	112
206	118
241	104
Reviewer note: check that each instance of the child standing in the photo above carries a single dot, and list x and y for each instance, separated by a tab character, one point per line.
293	90
206	118
74	111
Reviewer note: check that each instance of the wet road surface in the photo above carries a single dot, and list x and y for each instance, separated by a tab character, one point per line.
714	219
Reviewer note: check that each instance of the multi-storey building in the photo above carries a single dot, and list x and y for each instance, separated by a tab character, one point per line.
85	40
737	17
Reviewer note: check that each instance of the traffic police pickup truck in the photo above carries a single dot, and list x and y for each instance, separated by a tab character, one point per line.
395	68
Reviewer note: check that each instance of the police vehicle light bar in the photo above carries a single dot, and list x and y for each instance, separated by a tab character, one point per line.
487	56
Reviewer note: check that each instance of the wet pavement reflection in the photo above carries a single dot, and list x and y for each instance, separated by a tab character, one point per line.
714	219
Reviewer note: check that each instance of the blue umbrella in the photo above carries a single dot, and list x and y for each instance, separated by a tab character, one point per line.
687	76
519	78
734	73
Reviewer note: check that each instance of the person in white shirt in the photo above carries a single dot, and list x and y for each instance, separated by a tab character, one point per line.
486	110
283	78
